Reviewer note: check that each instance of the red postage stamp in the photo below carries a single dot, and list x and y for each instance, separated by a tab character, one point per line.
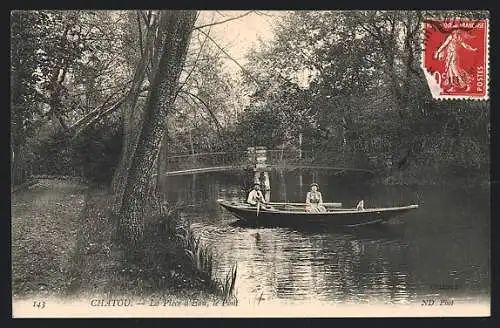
455	58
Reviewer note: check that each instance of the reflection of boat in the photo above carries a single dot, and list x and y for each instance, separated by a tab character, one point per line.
282	214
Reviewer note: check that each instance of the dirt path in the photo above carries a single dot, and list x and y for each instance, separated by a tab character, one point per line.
44	226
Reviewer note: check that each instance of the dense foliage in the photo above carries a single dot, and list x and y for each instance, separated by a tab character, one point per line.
93	154
66	66
351	84
347	84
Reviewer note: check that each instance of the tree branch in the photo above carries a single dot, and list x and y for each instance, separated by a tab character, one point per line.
230	57
194	64
93	117
87	118
140	33
217	123
223	21
145	16
98	113
192	105
119	88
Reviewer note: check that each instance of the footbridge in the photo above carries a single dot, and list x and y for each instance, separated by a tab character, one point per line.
257	158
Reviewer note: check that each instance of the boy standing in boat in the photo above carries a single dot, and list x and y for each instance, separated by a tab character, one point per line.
255	196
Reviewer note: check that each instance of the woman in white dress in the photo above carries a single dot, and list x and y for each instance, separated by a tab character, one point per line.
314	200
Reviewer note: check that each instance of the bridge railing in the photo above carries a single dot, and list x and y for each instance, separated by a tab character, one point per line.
279	156
238	159
244	159
212	159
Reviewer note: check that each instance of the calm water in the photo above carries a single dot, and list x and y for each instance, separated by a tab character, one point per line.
442	250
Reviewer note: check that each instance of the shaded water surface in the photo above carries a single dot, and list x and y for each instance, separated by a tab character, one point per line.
441	250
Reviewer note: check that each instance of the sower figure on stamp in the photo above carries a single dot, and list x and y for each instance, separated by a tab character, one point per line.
453	71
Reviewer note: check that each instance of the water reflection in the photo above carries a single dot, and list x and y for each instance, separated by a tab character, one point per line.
443	248
292	265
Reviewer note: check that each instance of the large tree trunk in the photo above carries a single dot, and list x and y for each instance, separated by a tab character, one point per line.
19	172
132	117
159	167
178	28
16	142
18	135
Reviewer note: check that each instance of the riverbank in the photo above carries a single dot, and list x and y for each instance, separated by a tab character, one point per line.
433	177
63	246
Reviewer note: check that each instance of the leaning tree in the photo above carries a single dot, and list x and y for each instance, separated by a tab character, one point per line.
174	30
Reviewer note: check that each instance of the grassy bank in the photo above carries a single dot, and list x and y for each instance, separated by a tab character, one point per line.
44	231
70	245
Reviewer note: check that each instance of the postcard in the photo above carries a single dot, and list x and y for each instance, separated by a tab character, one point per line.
212	163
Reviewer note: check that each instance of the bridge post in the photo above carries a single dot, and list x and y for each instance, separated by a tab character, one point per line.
267	187
251	155
261	168
300	145
261	158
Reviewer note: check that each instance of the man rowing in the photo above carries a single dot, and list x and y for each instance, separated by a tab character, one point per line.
255	196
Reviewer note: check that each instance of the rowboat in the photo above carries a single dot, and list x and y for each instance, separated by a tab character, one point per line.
295	214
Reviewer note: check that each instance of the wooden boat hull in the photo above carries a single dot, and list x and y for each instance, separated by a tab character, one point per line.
299	217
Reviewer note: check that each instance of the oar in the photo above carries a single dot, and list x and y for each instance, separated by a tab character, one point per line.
258	207
304	204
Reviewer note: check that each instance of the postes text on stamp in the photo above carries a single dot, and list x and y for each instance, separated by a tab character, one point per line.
455	58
